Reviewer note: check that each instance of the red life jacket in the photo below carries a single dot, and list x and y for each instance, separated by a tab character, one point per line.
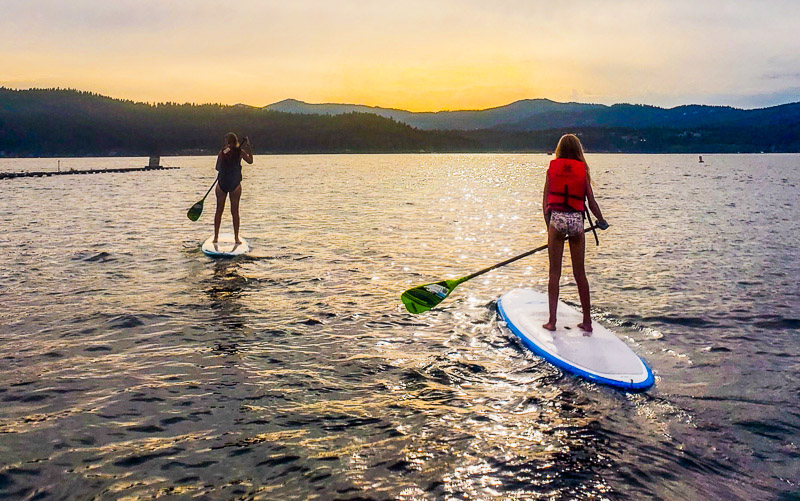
566	185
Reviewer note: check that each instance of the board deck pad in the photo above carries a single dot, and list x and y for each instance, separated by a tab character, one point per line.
225	246
600	356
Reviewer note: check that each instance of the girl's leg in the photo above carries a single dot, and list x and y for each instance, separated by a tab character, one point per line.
236	195
555	250
218	214
577	251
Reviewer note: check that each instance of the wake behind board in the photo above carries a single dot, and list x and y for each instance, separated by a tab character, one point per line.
600	357
225	246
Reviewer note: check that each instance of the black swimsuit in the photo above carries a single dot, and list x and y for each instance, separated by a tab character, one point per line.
229	166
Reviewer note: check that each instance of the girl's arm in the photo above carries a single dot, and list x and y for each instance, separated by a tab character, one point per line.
247	152
592	202
544	201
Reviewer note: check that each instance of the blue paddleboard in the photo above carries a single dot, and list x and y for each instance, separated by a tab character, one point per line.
601	356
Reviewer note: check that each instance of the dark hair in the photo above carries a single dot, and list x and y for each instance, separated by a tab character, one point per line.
231	139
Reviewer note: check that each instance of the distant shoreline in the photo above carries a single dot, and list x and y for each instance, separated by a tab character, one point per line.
211	155
66	123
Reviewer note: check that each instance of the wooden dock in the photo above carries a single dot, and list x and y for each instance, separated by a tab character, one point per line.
9	175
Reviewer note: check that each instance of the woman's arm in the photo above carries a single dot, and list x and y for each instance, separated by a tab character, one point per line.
544	201
247	152
592	202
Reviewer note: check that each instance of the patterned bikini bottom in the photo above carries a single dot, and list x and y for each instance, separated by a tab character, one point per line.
569	224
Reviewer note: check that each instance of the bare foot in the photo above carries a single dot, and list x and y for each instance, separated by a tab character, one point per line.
238	242
551	326
587	326
215	240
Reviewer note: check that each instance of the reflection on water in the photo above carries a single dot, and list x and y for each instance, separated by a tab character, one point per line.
134	366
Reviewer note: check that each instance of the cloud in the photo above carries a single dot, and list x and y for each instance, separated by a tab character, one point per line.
454	52
760	100
782	76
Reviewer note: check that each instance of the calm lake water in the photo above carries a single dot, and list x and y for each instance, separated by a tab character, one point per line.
133	366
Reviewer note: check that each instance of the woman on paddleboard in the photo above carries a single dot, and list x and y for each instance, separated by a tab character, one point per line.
229	177
566	187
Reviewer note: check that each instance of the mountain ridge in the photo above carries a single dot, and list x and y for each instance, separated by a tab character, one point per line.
543	114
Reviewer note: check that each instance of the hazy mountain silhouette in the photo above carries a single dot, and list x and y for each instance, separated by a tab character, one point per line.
544	114
453	120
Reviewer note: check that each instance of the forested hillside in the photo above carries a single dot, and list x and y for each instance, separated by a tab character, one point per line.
57	122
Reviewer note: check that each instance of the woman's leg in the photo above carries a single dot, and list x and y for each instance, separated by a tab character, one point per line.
555	250
236	195
577	251
220	208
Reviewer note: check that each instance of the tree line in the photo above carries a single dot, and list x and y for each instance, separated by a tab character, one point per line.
64	122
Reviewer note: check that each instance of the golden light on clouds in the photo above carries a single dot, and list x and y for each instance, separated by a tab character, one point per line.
415	55
456	86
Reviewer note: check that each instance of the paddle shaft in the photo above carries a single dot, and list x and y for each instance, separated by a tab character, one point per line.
591	225
209	190
511	260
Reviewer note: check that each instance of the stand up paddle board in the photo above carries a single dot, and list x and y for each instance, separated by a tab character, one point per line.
225	246
599	356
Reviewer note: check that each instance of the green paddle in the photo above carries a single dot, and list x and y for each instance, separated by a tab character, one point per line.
424	297
194	212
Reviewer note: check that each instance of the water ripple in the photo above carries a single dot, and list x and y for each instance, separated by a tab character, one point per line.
135	367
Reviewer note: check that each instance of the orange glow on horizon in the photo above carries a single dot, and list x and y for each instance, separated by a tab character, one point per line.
418	55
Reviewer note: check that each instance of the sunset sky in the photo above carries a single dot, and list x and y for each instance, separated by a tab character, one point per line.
417	55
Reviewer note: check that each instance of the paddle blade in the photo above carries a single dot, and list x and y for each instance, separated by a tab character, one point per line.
424	297
194	212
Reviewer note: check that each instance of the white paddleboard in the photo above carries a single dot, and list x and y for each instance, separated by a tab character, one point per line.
601	357
225	246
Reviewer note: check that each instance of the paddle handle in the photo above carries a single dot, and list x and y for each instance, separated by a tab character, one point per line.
511	260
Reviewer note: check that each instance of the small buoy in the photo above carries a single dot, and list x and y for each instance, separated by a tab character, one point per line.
701	159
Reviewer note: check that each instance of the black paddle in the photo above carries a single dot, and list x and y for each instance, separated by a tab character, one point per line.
195	210
424	297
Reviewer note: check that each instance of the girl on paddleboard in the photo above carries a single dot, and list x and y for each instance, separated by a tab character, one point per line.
229	168
566	187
